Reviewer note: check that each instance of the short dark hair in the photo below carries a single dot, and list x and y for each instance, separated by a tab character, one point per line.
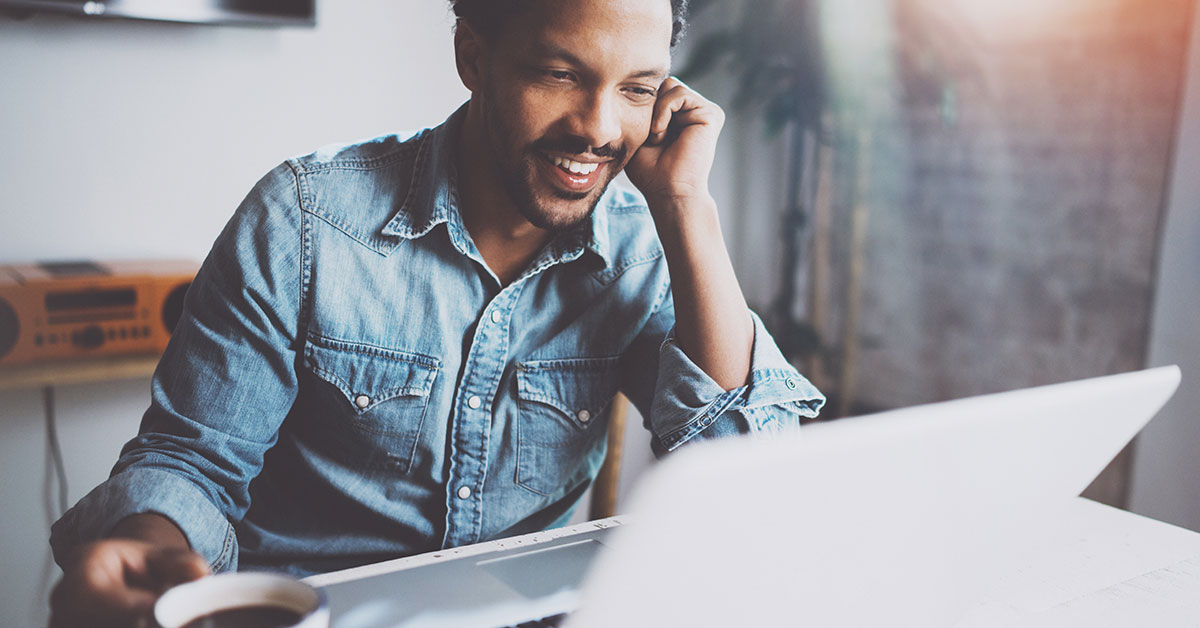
488	15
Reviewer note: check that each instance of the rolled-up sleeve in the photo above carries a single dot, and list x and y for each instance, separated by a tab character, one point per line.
681	403
220	392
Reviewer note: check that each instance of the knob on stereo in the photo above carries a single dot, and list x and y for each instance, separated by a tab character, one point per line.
89	337
172	308
9	328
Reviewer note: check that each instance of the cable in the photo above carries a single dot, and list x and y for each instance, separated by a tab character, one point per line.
55	449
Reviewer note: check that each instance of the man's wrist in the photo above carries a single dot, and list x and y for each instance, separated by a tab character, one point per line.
682	220
681	204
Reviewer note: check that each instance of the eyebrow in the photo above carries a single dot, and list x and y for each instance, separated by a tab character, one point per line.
549	50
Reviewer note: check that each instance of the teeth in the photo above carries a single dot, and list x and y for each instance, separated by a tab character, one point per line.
575	166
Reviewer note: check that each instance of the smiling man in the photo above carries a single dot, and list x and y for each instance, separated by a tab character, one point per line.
412	343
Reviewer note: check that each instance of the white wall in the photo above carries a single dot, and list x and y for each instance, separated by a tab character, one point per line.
123	139
1166	477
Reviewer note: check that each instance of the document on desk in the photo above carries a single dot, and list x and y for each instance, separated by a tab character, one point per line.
1097	566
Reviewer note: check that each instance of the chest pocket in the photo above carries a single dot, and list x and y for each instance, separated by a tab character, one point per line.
563	421
372	402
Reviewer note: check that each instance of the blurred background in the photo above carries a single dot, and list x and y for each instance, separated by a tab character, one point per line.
925	199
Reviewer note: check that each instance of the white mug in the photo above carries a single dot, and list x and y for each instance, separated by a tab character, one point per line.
193	600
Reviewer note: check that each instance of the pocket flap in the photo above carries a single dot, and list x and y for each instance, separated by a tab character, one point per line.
368	375
573	386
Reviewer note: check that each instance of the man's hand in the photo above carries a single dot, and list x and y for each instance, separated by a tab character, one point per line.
712	323
674	163
115	582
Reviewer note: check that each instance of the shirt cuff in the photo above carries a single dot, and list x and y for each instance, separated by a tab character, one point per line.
688	401
137	491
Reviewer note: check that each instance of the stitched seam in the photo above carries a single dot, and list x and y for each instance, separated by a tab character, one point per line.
661	298
380	397
304	309
418	176
395	355
402	151
378	248
629	209
542	365
226	557
722	403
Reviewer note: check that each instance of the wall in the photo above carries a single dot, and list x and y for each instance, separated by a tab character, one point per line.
1016	174
1166	469
123	139
1013	231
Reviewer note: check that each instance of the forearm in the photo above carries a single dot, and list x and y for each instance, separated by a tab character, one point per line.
712	323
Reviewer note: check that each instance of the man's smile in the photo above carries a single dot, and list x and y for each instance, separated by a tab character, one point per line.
572	175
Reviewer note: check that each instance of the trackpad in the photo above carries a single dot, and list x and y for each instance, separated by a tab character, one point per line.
543	572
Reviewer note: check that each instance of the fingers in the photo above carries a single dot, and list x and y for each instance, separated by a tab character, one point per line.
678	106
90	596
116	582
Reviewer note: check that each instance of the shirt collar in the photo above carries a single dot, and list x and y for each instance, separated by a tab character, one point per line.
433	199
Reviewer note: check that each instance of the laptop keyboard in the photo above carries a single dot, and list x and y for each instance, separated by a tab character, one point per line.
546	622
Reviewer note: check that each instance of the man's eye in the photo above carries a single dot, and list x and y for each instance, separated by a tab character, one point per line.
559	75
641	93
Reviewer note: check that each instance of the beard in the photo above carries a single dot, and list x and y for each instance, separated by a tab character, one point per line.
553	209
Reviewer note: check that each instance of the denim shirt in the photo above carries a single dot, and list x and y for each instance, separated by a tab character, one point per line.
350	382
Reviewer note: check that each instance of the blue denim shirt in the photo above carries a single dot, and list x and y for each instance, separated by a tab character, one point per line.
350	383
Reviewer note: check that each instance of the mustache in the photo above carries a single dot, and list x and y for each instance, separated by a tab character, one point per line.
578	147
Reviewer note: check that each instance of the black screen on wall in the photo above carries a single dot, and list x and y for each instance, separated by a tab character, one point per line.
246	12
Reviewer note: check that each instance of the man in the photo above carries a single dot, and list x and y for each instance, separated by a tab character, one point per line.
410	344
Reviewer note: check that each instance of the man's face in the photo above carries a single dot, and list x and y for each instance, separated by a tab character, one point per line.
567	89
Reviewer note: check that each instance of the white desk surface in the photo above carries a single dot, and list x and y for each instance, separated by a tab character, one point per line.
1098	566
1095	566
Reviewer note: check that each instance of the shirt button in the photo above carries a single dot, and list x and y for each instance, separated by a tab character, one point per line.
474	402
464	492
584	416
362	401
497	316
791	383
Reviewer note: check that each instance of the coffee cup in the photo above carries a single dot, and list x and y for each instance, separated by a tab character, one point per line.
242	600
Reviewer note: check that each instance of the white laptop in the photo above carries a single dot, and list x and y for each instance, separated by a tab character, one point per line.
903	518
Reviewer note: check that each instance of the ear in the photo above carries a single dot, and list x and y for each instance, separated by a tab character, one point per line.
468	55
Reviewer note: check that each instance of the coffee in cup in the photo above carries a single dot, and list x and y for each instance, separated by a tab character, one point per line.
242	600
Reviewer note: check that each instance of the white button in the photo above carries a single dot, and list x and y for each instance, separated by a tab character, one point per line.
464	492
497	316
362	401
584	416
474	402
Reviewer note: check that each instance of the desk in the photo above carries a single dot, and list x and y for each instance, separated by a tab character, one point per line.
1098	566
66	372
1094	566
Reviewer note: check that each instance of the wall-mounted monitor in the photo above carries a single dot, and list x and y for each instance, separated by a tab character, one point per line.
244	12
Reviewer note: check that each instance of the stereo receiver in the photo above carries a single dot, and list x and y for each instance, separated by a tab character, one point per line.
71	310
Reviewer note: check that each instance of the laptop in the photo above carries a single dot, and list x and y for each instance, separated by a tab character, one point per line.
903	518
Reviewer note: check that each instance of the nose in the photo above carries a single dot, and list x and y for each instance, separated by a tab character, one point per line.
596	121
